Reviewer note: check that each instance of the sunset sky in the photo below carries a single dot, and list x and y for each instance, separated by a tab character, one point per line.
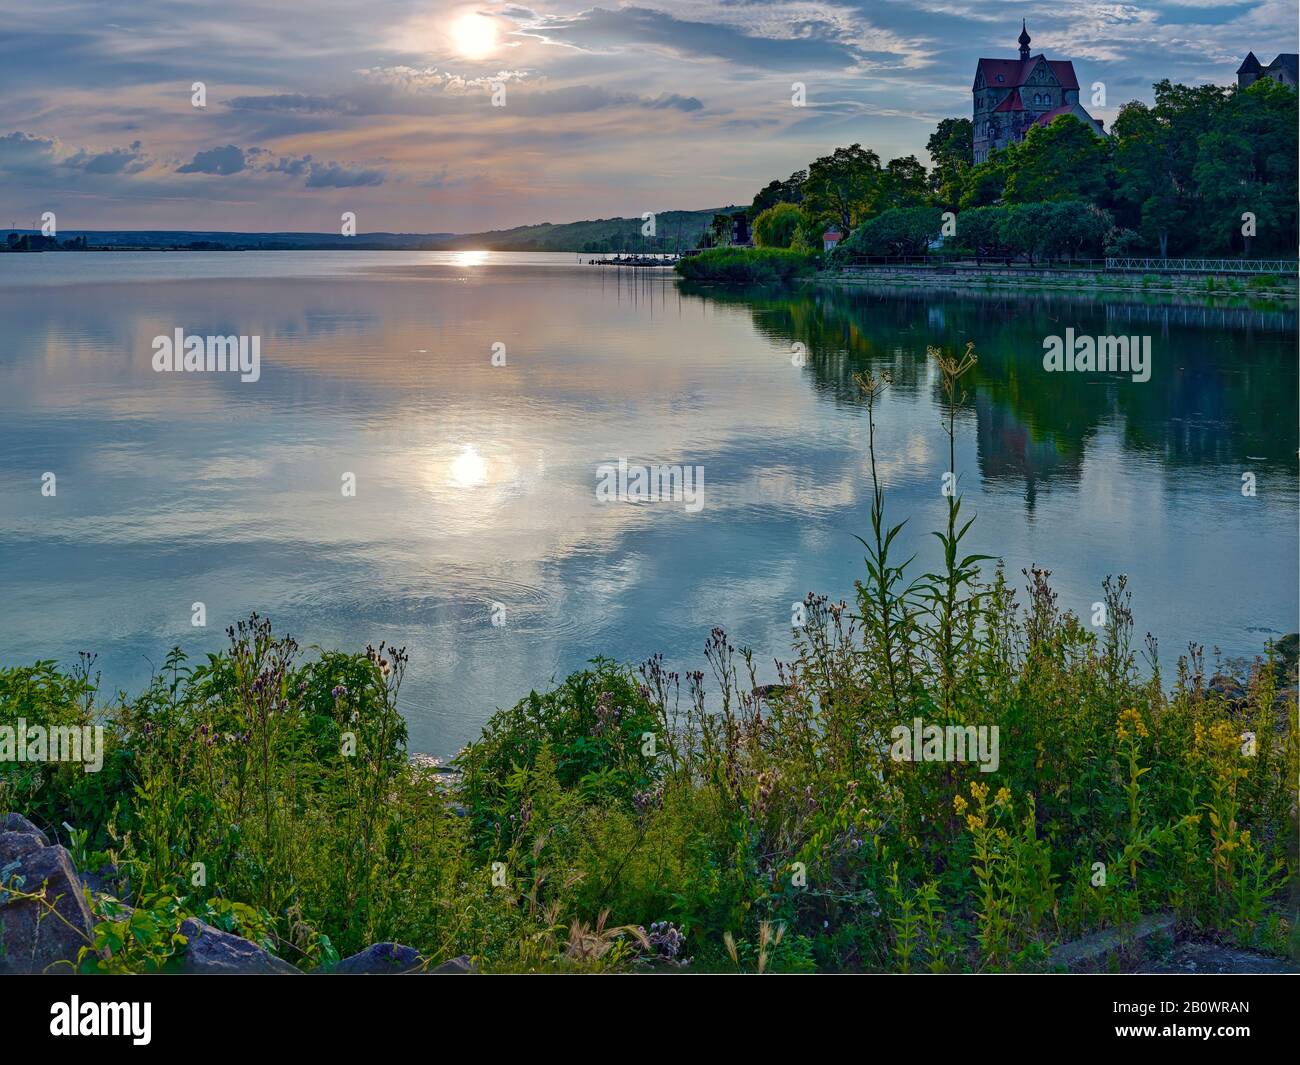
384	107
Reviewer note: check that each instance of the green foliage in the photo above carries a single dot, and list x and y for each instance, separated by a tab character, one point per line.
745	266
1175	178
898	231
774	192
777	226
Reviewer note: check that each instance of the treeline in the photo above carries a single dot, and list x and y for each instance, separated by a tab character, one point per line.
1205	170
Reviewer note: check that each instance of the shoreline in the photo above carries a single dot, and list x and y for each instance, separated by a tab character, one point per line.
1093	282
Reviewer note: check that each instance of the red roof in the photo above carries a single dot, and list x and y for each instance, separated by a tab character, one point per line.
1015	71
1012	102
832	236
1045	119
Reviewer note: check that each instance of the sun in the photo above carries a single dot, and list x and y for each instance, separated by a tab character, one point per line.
475	35
470	468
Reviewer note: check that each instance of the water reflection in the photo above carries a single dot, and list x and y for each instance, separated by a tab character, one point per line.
475	481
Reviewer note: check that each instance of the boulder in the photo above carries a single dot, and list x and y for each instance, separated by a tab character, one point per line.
40	935
18	823
456	965
214	952
16	845
381	959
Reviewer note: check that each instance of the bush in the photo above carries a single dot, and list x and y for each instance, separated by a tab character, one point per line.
746	266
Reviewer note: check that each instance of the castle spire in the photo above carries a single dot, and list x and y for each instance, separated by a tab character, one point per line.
1024	40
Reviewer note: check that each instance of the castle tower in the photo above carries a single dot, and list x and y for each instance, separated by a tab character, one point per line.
1024	40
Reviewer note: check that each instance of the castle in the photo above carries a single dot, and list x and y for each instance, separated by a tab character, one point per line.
1281	70
1011	95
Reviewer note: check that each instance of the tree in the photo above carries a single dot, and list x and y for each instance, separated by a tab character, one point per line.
842	187
1066	160
982	185
898	231
979	230
905	184
952	155
776	227
788	191
1076	228
1246	163
1155	154
1025	229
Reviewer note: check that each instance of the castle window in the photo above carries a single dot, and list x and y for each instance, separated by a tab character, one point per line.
1000	79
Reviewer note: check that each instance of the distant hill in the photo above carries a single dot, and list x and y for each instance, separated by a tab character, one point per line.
673	230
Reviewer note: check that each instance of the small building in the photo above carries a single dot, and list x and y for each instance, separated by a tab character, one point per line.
1282	70
830	239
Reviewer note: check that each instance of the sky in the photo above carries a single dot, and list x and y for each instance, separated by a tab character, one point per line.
385	108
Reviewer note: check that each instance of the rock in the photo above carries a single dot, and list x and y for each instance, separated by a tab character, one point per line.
32	938
1229	687
381	959
18	823
16	845
456	965
1198	956
214	952
1091	951
1287	649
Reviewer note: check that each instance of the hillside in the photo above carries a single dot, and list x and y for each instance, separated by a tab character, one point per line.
673	230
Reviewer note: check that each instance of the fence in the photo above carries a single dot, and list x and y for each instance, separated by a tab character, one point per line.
1202	266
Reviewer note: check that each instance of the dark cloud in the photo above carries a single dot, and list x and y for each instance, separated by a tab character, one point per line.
227	160
334	176
320	173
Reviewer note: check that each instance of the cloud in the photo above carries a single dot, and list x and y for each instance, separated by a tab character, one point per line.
405	90
334	176
227	160
30	155
811	42
320	173
293	102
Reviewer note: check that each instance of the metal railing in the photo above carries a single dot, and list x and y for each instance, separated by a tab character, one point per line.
1202	266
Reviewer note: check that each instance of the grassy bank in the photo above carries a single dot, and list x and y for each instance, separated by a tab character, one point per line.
613	822
746	266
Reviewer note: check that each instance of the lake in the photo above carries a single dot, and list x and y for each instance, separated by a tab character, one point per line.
476	483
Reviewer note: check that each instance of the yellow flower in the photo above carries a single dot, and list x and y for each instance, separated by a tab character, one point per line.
1131	717
1003	796
959	804
980	791
974	823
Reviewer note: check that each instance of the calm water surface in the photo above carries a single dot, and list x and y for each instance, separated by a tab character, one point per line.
475	483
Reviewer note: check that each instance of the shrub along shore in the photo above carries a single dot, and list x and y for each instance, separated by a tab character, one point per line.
618	822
